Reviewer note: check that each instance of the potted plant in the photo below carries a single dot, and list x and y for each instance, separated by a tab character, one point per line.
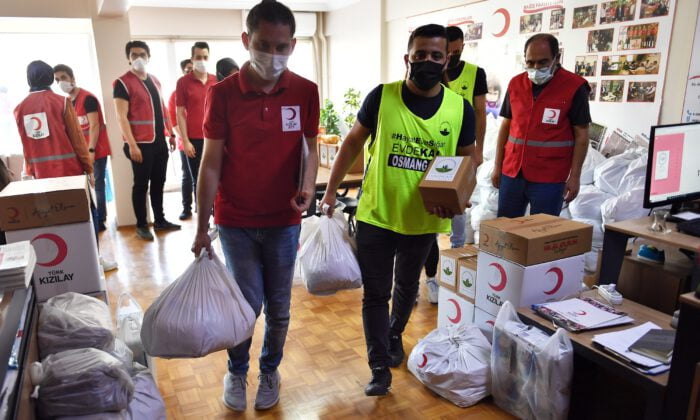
329	118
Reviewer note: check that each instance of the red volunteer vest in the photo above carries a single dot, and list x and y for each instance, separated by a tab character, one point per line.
141	115
47	147
102	148
541	138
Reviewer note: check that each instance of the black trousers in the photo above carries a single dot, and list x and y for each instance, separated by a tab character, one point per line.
149	175
431	263
385	255
194	163
186	186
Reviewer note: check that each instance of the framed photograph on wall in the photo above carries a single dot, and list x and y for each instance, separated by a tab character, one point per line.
638	37
531	23
600	40
593	91
641	92
556	19
586	65
654	8
617	11
584	17
611	90
630	64
473	31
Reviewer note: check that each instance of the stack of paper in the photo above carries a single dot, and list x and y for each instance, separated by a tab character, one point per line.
582	314
17	261
619	343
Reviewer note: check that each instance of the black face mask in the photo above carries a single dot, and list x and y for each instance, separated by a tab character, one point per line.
454	61
426	74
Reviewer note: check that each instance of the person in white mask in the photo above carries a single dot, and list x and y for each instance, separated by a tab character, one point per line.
190	93
543	139
255	124
145	127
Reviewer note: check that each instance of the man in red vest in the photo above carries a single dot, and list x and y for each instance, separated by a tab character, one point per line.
543	139
145	125
92	124
186	185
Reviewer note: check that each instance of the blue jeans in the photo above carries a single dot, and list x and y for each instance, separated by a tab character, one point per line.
514	194
262	262
100	168
459	227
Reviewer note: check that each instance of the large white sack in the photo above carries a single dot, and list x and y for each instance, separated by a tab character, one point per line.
590	259
635	175
80	382
493	125
628	205
479	214
475	198
72	321
328	262
489	198
201	312
565	213
608	175
484	172
593	159
531	371
587	203
454	363
598	232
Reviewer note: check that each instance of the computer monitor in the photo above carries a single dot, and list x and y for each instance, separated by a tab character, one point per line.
673	166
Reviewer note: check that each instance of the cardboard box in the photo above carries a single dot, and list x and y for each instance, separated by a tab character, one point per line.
44	202
501	280
449	265
535	239
466	276
323	155
332	153
485	321
67	259
445	183
453	309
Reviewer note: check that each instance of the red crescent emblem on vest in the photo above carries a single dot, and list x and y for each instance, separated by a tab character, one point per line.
457	317
506	25
504	279
424	362
560	280
62	249
38	123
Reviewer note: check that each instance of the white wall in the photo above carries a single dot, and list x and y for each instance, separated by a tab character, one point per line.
149	22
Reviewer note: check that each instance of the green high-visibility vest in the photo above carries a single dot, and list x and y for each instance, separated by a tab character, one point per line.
402	149
464	83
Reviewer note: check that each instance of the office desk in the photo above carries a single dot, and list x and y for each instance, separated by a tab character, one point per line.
654	386
324	174
615	243
686	354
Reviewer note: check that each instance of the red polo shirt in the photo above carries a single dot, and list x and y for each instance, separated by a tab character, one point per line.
263	132
191	94
173	118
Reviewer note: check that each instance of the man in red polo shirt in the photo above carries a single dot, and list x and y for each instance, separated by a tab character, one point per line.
186	183
254	127
191	91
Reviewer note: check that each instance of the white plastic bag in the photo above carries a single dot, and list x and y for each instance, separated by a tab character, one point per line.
129	322
147	403
530	371
635	176
483	173
328	261
587	203
82	381
489	198
72	321
201	312
454	363
479	214
593	159
608	175
628	205
493	125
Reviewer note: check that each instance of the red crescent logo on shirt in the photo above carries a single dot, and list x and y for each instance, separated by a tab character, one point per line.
38	123
424	362
504	279
506	24
458	316
61	249
560	280
553	114
294	113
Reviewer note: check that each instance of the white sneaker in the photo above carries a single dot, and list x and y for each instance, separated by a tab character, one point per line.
108	265
432	290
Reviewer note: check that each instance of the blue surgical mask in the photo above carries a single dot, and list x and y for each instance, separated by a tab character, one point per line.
540	76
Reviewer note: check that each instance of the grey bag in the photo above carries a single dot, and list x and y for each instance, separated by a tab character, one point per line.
147	402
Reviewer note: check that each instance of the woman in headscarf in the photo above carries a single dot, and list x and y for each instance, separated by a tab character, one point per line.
225	67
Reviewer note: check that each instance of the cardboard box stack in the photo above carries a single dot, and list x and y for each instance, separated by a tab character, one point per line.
457	280
54	215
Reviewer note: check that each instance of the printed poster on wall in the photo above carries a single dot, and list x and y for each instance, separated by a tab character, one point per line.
691	108
620	47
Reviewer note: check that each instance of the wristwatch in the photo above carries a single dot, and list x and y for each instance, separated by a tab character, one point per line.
91	150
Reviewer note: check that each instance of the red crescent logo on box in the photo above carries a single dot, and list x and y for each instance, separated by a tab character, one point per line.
491	323
14	212
582	313
457	317
424	362
62	249
486	238
506	24
560	280
504	279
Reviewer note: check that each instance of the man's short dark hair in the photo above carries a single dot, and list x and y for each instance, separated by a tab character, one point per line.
136	44
184	64
431	30
551	40
199	44
270	11
454	33
62	67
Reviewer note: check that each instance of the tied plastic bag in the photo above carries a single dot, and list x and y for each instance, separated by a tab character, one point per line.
81	382
201	312
531	371
479	214
454	363
123	353
489	198
483	173
593	159
72	321
608	175
147	402
328	261
587	203
628	205
635	176
129	322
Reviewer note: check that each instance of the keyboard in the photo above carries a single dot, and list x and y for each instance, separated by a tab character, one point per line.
691	227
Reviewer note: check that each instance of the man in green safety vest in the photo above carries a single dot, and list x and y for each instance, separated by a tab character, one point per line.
408	123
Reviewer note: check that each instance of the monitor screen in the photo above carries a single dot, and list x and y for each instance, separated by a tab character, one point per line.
673	169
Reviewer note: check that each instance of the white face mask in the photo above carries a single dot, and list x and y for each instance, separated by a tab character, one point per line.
268	66
139	65
540	76
200	66
66	86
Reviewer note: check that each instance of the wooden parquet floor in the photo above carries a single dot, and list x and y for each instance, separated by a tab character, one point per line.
324	369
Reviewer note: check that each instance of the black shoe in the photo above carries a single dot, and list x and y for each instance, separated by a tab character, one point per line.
185	215
101	227
144	233
380	383
165	225
396	352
